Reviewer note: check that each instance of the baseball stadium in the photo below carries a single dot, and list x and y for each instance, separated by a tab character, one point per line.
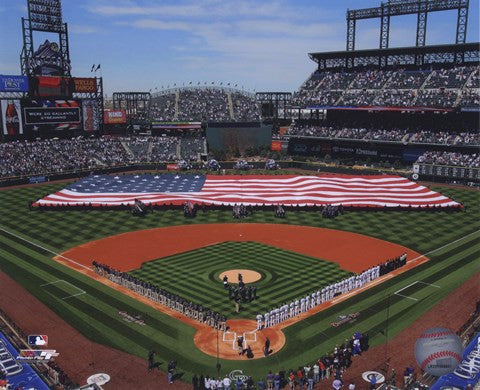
203	235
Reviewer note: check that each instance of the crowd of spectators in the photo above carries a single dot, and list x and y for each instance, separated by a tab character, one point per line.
392	135
159	295
203	104
19	158
470	97
394	97
437	98
450	158
404	79
30	158
245	108
401	88
162	107
449	78
357	97
371	79
163	149
191	147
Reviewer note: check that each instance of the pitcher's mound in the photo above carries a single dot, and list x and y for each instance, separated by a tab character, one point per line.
248	275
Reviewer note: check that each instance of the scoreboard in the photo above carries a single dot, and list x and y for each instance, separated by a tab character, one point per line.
454	172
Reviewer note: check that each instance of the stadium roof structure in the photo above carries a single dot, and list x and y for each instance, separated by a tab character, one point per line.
415	56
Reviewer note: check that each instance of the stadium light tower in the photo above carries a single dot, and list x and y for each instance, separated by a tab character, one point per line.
51	57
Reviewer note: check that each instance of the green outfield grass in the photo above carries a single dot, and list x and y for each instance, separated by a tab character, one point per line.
95	312
285	275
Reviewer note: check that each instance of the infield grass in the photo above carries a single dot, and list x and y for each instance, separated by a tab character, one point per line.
286	275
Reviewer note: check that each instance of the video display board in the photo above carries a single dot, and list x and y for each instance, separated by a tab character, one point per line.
48	86
52	115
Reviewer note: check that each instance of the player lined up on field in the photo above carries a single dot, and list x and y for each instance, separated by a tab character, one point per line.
158	295
303	304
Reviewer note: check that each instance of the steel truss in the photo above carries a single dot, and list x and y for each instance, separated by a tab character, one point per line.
276	99
407	7
135	104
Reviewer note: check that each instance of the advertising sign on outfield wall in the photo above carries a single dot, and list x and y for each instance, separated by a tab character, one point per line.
114	117
85	84
13	83
11	117
90	115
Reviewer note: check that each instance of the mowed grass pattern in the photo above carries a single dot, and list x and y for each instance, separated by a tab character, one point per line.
285	275
95	313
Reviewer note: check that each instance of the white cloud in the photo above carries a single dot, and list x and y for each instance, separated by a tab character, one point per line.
82	29
201	8
259	44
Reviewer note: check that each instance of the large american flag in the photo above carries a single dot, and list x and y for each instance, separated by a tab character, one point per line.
289	190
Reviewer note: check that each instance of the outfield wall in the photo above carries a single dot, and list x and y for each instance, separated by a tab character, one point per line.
308	166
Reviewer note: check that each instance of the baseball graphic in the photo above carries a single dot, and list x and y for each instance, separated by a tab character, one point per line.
438	351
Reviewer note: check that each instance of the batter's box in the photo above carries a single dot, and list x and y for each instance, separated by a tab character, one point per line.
62	289
250	336
412	288
227	339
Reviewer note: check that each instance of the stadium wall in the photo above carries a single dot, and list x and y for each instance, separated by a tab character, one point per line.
363	149
235	138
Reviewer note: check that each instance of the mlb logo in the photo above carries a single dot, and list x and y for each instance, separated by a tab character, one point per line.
37	340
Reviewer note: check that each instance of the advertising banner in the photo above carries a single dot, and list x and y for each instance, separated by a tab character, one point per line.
11	117
277	146
52	115
85	85
90	113
13	83
114	117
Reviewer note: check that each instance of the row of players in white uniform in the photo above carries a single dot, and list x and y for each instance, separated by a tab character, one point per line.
308	302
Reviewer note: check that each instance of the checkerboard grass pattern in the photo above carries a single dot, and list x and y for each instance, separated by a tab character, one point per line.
286	275
95	313
61	230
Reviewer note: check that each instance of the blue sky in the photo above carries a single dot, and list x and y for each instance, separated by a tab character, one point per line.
258	44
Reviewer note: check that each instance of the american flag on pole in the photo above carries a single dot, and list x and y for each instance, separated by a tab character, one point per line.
288	190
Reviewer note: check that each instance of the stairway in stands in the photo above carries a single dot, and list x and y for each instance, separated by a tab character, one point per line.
127	148
149	151
177	98
230	106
